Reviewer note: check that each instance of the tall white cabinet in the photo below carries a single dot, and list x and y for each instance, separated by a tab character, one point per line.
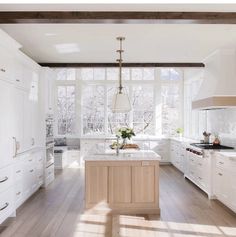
22	151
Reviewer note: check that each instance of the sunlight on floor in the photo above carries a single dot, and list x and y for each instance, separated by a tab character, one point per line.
74	165
91	225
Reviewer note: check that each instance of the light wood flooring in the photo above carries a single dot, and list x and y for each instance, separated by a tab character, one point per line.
58	212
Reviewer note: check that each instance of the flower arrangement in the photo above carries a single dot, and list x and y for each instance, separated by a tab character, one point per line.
125	133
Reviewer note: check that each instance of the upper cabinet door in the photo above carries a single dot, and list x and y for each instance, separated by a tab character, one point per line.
6	65
19	97
7	144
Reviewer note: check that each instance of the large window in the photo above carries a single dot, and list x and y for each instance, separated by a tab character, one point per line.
84	98
66	119
93	116
171	93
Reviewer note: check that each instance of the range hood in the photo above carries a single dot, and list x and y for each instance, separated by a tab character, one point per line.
218	89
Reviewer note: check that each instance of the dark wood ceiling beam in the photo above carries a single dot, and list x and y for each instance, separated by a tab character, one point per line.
78	65
117	17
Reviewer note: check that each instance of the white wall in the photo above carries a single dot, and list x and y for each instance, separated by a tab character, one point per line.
223	122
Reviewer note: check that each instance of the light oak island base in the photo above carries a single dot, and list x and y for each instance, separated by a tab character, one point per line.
122	187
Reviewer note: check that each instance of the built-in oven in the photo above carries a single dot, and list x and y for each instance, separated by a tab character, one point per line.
49	154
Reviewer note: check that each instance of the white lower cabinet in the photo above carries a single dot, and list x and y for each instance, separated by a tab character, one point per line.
178	154
7	204
49	175
224	180
26	176
198	169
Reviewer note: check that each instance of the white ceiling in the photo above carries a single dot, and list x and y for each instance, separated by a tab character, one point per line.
144	43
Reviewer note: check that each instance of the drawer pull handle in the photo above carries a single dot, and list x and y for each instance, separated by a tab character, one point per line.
221	162
31	171
5	206
220	174
3	70
18	193
30	160
18	171
4	180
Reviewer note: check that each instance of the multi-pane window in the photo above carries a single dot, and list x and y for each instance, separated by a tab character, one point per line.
66	119
143	109
94	89
171	101
65	74
93	106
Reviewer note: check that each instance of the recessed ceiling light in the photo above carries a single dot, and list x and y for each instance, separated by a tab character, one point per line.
50	34
67	48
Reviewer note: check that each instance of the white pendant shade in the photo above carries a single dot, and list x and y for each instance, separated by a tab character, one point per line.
121	103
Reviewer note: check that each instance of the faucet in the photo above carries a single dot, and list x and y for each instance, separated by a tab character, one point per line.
117	146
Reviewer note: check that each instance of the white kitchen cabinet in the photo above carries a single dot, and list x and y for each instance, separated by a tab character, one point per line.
178	154
6	178
198	169
224	179
19	124
28	175
7	204
27	118
19	97
6	65
161	147
7	144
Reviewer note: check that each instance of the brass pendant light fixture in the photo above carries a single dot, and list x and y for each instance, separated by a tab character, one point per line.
120	102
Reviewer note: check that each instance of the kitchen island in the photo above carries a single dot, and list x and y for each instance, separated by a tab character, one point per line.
127	183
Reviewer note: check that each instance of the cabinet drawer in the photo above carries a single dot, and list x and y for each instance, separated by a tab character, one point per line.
18	171
7	206
18	193
49	171
6	178
221	161
6	65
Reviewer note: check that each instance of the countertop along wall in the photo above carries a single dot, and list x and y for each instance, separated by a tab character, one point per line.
223	122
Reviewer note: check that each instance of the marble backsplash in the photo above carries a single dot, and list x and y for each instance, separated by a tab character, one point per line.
223	123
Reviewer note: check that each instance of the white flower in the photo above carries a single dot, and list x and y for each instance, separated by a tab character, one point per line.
118	134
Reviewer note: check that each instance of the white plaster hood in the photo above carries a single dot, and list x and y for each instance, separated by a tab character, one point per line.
218	89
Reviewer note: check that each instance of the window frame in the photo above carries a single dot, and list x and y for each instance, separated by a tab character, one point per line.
79	83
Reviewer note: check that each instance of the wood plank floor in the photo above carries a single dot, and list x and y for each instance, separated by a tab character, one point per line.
58	212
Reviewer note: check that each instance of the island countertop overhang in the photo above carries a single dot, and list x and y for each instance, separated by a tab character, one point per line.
124	155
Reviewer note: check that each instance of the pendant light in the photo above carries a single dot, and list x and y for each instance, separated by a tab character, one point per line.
120	102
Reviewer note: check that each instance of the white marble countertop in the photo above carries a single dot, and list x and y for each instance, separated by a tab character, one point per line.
124	155
228	153
184	139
